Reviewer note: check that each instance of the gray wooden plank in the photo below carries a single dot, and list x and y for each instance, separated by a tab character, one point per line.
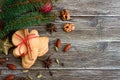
82	55
95	45
95	52
87	29
90	7
66	74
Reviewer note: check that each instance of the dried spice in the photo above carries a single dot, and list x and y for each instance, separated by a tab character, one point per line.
25	71
2	60
39	76
57	61
67	47
30	77
56	49
58	43
51	28
11	66
10	77
47	62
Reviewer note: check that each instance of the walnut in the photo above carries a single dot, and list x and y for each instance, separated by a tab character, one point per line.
68	27
65	15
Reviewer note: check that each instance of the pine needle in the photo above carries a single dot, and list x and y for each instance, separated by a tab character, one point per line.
25	21
20	14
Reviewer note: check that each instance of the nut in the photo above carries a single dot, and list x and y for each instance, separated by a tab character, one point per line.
58	43
65	15
67	47
10	77
68	27
11	66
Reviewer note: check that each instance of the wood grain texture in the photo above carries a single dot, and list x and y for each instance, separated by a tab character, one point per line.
95	52
89	55
68	74
91	7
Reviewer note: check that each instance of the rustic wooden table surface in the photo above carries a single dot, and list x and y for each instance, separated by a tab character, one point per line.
95	52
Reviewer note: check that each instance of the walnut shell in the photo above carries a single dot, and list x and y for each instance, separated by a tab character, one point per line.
65	15
68	27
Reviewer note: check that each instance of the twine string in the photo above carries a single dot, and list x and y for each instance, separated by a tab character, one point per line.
24	41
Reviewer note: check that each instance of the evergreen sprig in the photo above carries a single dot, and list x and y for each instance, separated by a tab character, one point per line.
28	20
20	14
17	8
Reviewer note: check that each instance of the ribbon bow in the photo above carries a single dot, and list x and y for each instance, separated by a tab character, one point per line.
25	41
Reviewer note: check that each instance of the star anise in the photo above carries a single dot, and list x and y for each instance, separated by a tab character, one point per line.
51	28
47	62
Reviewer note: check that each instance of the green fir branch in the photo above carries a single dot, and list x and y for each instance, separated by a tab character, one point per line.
25	21
17	10
20	14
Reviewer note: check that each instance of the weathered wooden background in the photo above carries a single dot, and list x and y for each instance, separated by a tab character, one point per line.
95	52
